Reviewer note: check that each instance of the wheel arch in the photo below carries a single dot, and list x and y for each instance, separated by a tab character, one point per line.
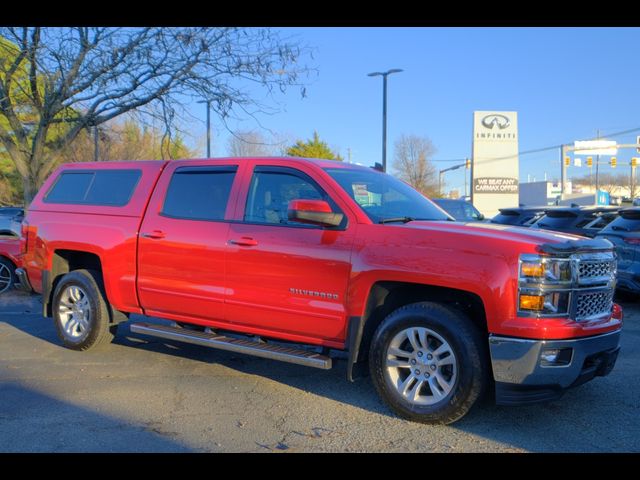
62	262
9	259
386	296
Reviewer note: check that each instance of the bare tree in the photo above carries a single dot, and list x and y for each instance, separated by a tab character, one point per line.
250	144
126	140
412	162
607	182
57	82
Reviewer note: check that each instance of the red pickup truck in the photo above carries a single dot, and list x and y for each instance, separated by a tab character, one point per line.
292	259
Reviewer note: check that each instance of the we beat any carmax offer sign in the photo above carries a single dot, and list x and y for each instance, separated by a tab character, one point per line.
494	170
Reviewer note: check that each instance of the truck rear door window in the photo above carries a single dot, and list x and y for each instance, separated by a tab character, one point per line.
94	187
199	193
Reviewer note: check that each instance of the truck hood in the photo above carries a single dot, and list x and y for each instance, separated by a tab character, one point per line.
545	241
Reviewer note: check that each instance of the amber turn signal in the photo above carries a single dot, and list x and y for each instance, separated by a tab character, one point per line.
532	270
531	302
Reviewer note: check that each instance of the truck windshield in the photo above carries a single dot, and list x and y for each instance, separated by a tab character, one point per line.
385	198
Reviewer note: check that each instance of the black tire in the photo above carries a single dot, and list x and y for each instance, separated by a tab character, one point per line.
7	275
468	381
99	328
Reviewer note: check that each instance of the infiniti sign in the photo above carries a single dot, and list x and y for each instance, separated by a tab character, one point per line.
495	173
493	120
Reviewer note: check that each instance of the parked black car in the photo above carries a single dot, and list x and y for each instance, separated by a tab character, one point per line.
624	233
586	221
461	210
11	220
520	216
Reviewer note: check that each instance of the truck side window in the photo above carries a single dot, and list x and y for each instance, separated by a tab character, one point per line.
199	193
271	191
113	187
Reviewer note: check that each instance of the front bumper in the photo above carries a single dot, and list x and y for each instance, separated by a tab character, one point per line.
522	378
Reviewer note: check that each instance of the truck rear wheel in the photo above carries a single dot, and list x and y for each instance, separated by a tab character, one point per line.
426	363
80	311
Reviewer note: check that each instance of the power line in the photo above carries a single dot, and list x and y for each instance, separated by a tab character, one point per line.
542	149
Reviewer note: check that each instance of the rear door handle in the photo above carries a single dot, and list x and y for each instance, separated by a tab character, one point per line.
244	242
155	235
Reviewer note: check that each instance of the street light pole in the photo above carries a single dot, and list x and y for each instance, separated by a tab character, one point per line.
384	111
208	102
441	176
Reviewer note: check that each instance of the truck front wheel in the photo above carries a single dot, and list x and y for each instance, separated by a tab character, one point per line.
80	311
427	364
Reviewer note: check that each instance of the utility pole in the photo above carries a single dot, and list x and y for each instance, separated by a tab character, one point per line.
597	168
466	164
563	169
208	102
96	153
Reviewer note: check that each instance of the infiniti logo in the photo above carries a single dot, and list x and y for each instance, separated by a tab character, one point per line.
495	119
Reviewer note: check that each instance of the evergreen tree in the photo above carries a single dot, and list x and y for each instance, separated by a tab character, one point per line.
312	148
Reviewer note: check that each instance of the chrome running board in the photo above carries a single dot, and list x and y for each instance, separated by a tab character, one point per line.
231	344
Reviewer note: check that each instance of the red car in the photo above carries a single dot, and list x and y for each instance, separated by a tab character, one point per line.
251	253
10	259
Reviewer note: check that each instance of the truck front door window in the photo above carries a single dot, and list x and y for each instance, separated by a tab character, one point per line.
271	191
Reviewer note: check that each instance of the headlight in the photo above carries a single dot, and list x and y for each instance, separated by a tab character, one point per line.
538	269
544	285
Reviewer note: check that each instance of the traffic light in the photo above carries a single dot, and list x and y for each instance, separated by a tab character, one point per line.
614	162
589	162
567	161
467	164
634	162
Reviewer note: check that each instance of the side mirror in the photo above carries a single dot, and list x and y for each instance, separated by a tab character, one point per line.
480	216
313	212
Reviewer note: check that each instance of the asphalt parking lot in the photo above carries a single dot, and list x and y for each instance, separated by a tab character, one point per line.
145	395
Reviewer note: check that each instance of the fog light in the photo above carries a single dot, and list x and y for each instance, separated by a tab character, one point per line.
555	357
532	302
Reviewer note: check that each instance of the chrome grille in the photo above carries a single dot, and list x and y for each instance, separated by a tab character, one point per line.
593	304
596	269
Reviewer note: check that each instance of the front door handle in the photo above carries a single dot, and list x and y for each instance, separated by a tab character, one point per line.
244	242
155	235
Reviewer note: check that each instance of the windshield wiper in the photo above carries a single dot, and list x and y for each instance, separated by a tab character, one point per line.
396	219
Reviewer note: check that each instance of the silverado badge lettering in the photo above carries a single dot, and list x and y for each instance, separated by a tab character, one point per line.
312	293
